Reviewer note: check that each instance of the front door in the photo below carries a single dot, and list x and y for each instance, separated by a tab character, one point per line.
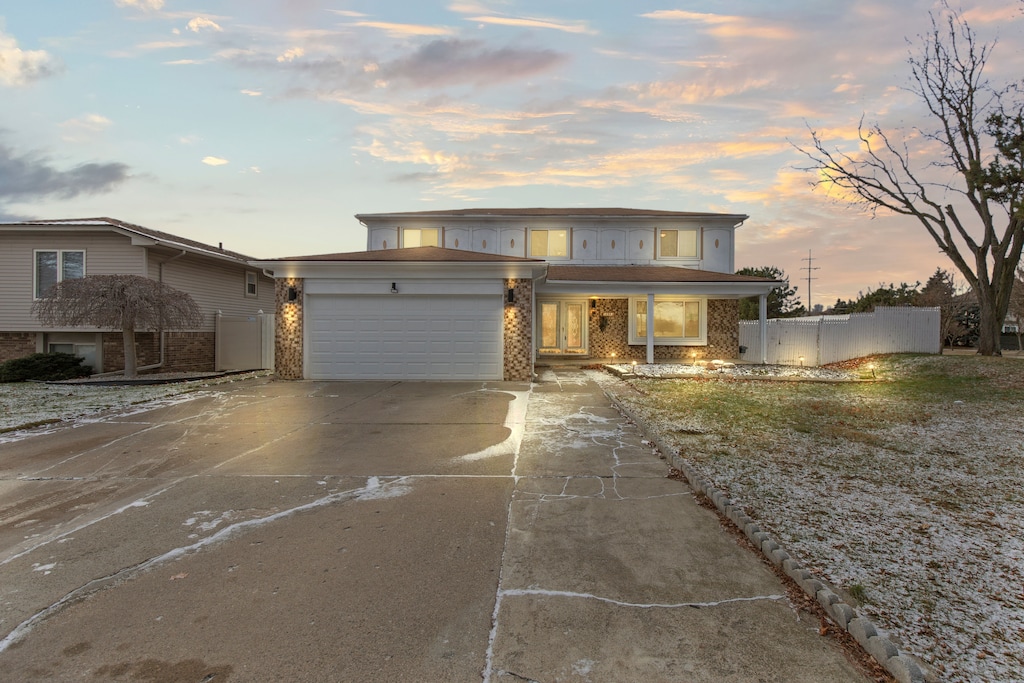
563	328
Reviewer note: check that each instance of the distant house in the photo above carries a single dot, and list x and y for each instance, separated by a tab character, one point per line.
36	254
485	293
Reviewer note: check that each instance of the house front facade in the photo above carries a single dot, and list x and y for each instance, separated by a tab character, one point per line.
489	293
34	255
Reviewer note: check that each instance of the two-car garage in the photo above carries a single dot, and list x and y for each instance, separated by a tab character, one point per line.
395	336
419	313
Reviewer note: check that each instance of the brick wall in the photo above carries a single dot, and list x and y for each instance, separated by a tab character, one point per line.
613	316
183	351
16	345
288	330
519	332
147	350
190	351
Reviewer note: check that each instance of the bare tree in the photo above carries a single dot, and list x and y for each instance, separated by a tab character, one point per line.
119	302
980	132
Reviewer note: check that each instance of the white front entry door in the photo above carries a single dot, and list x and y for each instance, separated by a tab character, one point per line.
353	336
562	328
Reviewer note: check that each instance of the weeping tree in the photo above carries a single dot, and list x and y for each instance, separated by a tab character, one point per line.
978	130
128	303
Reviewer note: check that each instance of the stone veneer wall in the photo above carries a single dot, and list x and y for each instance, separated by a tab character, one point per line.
288	330
519	332
16	345
723	333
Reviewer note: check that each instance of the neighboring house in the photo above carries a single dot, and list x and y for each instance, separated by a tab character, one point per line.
485	293
36	254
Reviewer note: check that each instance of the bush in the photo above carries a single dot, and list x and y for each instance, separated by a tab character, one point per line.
44	367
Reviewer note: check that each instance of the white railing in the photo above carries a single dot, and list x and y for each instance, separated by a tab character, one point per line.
832	338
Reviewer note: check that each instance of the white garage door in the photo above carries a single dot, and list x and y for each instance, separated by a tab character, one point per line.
404	337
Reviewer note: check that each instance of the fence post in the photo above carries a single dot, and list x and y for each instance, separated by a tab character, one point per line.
762	320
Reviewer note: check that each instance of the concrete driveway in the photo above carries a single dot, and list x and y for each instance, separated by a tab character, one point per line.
317	531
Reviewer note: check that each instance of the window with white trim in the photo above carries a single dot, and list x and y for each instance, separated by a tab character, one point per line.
678	321
549	243
678	244
56	265
421	237
251	283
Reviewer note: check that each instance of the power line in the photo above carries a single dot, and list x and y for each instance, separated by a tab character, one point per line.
810	267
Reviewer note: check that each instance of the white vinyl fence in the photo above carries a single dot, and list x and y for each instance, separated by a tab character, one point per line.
245	342
832	338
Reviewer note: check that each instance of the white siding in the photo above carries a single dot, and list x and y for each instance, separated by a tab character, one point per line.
105	254
215	285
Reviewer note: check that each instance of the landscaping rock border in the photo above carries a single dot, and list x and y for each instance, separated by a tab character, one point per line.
902	666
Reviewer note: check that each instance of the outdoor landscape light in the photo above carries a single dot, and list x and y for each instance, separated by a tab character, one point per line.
801	360
871	367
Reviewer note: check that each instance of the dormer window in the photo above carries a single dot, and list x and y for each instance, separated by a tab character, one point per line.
549	243
421	237
677	244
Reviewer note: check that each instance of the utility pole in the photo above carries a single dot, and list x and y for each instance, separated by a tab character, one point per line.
810	268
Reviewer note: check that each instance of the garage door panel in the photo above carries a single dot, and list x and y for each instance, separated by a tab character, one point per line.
393	337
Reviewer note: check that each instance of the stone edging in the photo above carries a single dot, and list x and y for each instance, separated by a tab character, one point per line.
901	666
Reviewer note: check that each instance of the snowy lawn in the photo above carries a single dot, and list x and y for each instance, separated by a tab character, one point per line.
33	404
906	494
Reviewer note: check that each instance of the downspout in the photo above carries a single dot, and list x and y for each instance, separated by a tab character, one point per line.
160	278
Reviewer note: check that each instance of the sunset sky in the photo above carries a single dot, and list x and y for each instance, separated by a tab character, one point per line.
267	124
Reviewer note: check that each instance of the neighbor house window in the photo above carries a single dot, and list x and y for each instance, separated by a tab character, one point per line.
54	266
250	283
677	244
421	237
547	243
676	321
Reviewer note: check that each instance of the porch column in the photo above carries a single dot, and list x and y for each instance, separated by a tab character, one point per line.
650	328
762	319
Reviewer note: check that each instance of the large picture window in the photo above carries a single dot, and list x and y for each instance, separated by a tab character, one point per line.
677	321
54	266
549	243
678	244
421	237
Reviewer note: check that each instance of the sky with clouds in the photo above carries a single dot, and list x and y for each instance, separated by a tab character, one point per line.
267	124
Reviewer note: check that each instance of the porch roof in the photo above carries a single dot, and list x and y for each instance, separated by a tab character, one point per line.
641	274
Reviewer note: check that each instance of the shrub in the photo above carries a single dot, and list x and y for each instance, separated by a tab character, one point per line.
43	366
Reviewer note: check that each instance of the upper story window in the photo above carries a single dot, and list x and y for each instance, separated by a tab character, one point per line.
677	321
677	244
421	237
548	243
56	265
251	283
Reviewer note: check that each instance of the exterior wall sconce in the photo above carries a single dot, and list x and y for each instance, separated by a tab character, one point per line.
510	297
293	294
394	288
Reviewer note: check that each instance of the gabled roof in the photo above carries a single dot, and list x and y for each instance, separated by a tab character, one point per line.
164	238
414	255
580	212
558	273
